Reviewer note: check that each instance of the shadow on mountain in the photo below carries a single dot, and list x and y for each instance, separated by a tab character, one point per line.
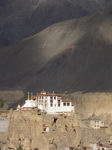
70	56
23	18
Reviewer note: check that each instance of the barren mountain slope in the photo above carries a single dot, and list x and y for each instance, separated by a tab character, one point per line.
70	56
23	18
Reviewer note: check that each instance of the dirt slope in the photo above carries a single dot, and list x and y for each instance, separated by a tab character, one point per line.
23	18
70	56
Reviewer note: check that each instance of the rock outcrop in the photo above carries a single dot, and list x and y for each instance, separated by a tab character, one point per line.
26	128
33	130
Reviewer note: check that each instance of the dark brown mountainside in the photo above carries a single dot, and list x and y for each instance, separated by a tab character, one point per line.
23	18
74	55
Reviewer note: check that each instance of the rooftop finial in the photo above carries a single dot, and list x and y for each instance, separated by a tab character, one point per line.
43	92
31	95
28	96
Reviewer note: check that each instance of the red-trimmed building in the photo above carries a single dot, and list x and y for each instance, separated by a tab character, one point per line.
49	103
53	103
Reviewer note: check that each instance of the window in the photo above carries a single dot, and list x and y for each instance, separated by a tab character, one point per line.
45	103
51	105
51	101
58	103
54	97
51	97
44	129
68	104
64	104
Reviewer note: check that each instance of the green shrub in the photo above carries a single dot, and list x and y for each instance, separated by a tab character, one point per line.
20	147
1	103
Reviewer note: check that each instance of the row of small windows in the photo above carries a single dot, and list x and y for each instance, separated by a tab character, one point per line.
66	104
55	105
96	125
101	148
51	103
96	121
51	97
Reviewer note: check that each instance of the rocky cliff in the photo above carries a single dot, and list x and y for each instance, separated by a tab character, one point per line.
26	128
64	131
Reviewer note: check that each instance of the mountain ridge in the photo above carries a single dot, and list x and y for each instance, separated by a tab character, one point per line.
20	19
73	55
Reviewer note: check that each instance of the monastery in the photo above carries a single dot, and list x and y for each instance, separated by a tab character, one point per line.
49	103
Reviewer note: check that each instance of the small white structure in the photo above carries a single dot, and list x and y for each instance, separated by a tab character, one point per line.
30	103
45	129
95	122
18	107
96	146
53	103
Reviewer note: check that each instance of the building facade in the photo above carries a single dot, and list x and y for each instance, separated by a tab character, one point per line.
95	122
53	103
49	103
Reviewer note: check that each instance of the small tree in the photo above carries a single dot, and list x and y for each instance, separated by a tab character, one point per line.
1	103
20	147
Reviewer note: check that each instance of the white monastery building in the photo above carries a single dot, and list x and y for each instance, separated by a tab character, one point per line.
49	103
53	103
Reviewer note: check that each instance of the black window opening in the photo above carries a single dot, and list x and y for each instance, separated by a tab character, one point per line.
54	121
64	104
54	97
68	104
58	103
